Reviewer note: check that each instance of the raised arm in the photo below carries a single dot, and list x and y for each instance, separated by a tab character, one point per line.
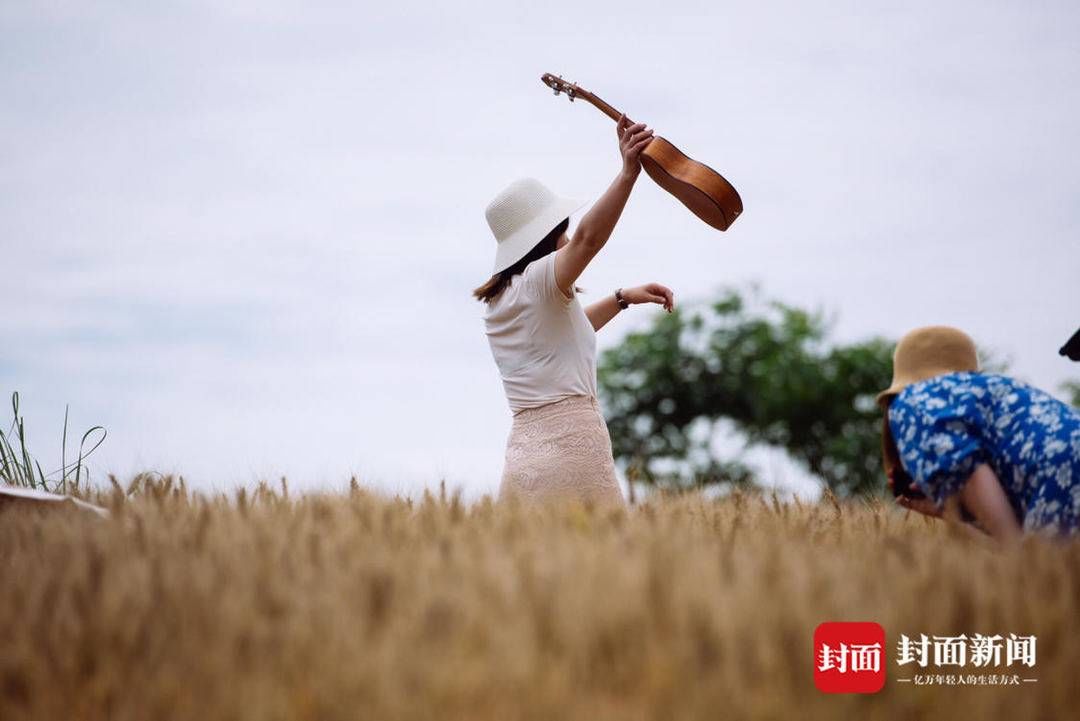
595	227
603	310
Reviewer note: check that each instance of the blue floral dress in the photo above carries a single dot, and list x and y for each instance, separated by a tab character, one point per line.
946	426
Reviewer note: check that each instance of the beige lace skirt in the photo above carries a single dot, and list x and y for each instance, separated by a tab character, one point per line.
561	451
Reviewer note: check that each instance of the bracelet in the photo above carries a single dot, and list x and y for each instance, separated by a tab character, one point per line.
622	302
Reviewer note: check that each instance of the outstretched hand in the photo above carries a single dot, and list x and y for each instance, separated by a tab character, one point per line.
651	293
633	139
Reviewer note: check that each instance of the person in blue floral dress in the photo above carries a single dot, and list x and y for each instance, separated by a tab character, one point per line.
978	445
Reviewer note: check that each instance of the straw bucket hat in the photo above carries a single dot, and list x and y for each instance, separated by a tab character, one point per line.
927	352
521	215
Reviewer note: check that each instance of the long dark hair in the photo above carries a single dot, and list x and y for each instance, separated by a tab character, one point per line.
490	290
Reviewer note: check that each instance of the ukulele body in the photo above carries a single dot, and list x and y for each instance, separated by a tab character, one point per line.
706	193
697	186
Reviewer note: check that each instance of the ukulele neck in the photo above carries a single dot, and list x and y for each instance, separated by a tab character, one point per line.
600	105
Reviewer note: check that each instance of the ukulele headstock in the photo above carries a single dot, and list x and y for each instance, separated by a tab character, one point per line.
558	85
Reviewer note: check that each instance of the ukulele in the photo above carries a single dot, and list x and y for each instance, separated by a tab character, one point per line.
700	188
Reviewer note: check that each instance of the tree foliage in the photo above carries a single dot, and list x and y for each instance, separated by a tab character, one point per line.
1071	389
766	367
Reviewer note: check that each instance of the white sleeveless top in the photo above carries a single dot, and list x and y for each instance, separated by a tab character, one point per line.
542	341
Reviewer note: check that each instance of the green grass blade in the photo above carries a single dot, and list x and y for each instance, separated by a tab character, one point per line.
63	452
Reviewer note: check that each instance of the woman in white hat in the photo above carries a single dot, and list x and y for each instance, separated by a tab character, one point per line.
544	341
979	446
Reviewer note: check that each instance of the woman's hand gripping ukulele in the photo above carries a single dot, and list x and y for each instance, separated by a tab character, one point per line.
633	139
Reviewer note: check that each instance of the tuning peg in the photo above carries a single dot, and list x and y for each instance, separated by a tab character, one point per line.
555	89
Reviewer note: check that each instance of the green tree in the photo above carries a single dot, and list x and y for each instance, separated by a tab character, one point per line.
1071	389
768	368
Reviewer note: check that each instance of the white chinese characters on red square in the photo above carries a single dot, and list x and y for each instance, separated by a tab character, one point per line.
848	657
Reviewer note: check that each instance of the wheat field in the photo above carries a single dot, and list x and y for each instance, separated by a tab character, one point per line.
351	606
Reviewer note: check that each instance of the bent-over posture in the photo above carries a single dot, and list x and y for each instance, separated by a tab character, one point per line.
958	442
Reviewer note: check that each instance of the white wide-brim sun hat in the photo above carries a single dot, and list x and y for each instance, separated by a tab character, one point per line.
522	215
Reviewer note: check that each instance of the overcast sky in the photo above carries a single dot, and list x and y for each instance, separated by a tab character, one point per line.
243	239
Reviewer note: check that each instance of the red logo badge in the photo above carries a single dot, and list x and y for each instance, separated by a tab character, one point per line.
849	657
